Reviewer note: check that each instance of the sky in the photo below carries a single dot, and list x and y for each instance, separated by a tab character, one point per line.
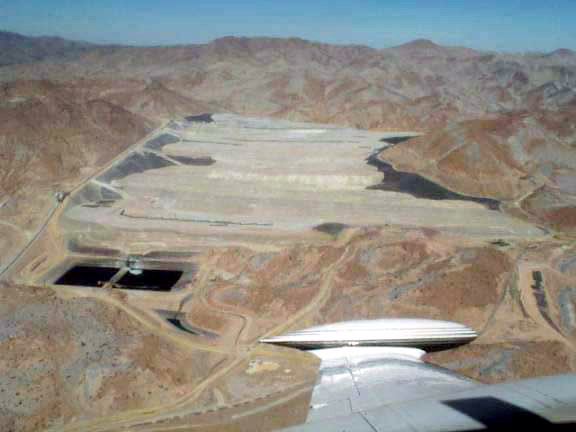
503	25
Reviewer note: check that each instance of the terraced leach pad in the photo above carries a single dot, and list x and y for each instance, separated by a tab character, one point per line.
240	179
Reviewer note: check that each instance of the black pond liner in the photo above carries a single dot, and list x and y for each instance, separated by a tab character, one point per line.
91	276
202	118
332	228
150	280
178	324
134	164
539	292
199	161
396	140
109	195
161	141
177	321
418	186
92	193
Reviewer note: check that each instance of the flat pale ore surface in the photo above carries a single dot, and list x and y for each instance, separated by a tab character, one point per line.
273	176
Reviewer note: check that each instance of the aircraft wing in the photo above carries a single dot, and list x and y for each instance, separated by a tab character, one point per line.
541	404
372	378
356	379
381	389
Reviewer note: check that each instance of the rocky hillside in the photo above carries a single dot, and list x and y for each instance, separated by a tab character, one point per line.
82	358
526	159
52	136
18	49
56	133
500	125
419	84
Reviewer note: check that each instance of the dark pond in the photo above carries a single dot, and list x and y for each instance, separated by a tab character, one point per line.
396	140
178	324
150	280
332	228
133	164
91	276
202	118
539	292
161	141
420	187
199	161
97	276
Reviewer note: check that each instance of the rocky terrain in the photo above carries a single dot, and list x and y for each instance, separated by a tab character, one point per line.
329	241
75	358
50	139
506	118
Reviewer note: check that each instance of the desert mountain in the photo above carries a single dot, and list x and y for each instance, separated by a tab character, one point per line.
424	50
361	85
18	49
153	99
505	118
502	125
51	135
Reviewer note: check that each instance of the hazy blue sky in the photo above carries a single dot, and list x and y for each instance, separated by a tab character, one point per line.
512	25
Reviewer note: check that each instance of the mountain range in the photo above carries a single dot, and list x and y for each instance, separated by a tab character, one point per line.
488	125
495	125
